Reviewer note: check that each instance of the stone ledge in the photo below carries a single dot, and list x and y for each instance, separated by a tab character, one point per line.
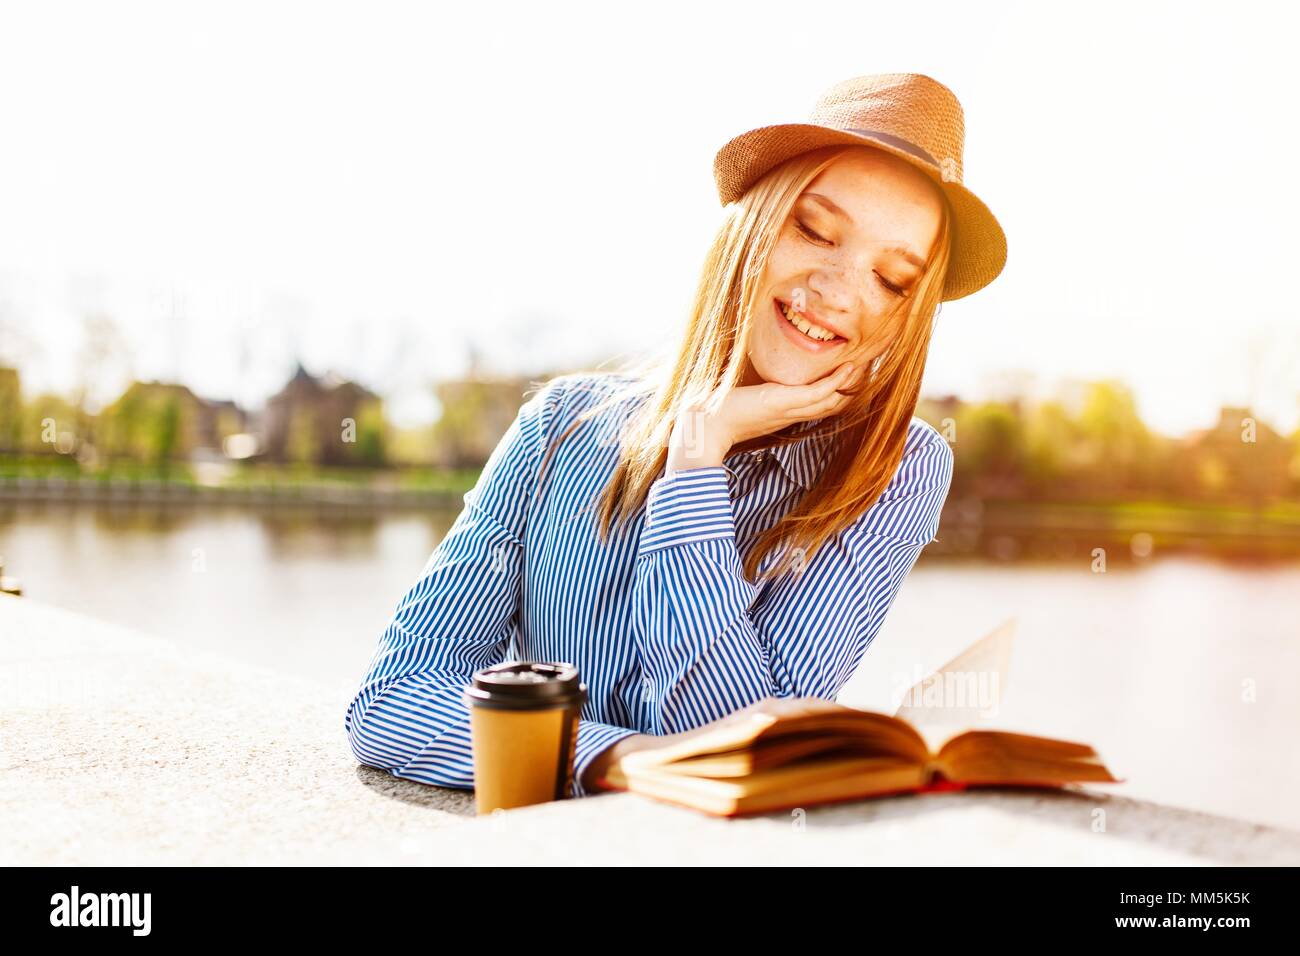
122	749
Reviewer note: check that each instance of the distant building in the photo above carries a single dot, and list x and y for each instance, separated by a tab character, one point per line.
218	421
165	420
1240	456
1234	427
326	420
934	410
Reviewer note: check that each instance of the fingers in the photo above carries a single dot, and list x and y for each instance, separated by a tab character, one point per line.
826	406
799	396
757	410
832	399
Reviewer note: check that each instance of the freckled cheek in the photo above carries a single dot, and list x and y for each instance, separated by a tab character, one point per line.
789	261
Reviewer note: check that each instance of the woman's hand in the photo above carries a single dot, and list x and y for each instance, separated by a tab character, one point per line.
607	766
706	431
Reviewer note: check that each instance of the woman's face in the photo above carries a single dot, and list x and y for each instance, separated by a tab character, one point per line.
855	241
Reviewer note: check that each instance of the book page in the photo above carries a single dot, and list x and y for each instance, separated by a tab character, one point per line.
963	694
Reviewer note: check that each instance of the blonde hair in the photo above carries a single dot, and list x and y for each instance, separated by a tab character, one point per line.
869	435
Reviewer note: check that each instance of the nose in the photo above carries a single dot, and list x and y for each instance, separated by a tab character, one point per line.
839	284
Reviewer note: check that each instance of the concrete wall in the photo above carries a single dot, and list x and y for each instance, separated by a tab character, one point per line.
117	748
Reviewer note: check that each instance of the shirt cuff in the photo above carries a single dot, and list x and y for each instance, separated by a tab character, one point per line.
688	506
593	738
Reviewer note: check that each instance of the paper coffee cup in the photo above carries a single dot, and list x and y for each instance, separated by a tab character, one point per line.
523	729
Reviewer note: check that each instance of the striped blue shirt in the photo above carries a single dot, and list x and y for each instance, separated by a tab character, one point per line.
664	628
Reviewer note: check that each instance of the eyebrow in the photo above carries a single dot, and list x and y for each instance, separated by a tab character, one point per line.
832	207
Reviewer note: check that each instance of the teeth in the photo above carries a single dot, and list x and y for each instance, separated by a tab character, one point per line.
806	327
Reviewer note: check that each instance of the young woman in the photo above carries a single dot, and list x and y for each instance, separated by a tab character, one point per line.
710	535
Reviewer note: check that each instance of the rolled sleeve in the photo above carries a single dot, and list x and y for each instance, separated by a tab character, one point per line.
687	507
593	739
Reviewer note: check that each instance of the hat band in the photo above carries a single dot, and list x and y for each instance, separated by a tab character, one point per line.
889	139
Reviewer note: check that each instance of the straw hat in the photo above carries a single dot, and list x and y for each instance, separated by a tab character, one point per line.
912	116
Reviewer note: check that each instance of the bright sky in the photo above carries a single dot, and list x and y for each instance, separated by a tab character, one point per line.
374	186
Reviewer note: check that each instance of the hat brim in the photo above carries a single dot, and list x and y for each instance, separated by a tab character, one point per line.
978	244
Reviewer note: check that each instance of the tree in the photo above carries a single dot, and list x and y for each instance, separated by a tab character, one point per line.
11	410
302	438
1119	453
989	453
372	439
166	431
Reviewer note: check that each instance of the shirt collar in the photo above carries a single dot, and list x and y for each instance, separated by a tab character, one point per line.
800	460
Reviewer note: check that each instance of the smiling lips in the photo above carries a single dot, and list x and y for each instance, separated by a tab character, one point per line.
807	329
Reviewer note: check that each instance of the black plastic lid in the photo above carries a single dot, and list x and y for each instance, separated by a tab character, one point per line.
527	685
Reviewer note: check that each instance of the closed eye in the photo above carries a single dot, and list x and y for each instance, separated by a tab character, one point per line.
809	233
891	287
821	240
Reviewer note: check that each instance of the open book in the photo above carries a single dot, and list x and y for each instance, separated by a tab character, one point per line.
799	752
